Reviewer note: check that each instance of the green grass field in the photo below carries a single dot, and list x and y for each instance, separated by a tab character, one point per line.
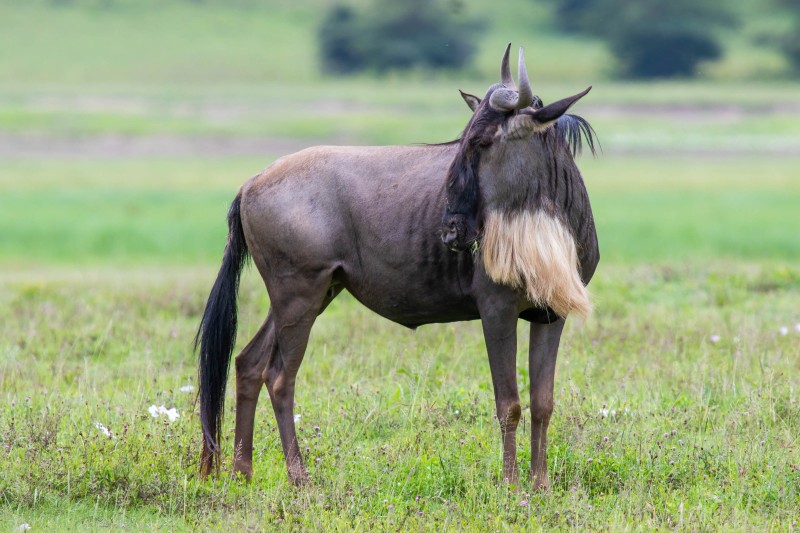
657	426
124	212
125	132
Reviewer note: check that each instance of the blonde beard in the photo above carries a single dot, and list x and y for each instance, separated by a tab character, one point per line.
535	252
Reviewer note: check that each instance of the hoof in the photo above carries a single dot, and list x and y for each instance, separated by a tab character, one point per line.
300	481
512	482
540	483
299	477
511	476
244	474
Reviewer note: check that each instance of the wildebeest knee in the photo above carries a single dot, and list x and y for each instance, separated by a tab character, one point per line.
509	414
541	411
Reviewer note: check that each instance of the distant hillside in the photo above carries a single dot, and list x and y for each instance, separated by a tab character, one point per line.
73	42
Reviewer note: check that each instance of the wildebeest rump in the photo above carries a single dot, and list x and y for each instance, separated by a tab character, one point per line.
493	226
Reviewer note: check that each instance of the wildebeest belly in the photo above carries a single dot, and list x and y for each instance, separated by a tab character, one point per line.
411	298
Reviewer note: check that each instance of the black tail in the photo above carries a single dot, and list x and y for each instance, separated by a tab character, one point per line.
216	337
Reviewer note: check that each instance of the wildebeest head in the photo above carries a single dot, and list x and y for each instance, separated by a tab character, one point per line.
502	151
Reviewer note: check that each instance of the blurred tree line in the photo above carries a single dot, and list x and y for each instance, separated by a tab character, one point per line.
392	35
647	38
789	43
651	38
664	38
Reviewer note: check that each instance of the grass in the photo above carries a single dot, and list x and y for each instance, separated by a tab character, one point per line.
401	419
171	210
677	403
754	117
673	208
657	425
79	42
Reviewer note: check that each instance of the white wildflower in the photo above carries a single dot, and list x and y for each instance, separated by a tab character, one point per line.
187	388
797	327
24	527
156	412
103	429
783	330
715	339
297	418
603	412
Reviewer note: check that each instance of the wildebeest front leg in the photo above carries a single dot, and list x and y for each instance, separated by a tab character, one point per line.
544	342
500	332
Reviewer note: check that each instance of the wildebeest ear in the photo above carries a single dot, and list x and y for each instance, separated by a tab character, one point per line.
472	101
553	111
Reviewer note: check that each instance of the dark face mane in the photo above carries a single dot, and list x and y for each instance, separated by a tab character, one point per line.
463	188
462	216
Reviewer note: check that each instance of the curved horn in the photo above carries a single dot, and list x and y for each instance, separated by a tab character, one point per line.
525	91
505	71
507	98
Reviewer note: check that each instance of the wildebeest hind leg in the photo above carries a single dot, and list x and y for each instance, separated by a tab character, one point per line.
250	365
296	302
544	342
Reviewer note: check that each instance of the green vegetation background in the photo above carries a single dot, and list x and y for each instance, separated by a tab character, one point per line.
126	128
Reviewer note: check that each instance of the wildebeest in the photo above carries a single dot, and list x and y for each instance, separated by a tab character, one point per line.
495	225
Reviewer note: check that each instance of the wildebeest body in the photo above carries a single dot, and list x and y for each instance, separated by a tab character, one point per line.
496	225
344	211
